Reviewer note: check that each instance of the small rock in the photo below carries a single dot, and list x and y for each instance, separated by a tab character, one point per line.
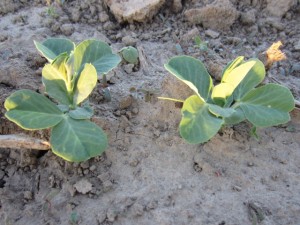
67	29
138	209
125	102
212	34
134	162
279	7
104	177
129	41
219	15
297	45
107	186
103	17
237	188
93	167
176	6
249	18
28	195
101	217
134	10
128	68
83	186
135	111
111	215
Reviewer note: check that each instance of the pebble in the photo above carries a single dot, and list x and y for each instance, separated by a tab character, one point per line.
67	29
237	188
28	195
211	33
83	186
125	102
93	167
138	209
129	41
297	45
107	186
135	111
111	215
128	68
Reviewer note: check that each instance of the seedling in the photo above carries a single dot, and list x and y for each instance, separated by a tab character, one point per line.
69	78
202	45
130	54
235	99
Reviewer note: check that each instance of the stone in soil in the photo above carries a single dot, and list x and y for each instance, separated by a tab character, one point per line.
219	15
279	8
134	10
83	186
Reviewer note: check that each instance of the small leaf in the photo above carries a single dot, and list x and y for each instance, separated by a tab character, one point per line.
32	111
232	65
85	84
53	47
130	54
95	52
220	112
192	72
81	113
77	140
198	125
268	105
55	81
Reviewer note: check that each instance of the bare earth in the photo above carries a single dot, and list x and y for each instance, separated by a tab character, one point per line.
149	175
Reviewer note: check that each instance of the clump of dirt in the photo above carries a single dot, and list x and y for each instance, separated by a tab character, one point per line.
149	175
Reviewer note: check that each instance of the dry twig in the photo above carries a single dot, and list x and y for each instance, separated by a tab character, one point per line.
23	142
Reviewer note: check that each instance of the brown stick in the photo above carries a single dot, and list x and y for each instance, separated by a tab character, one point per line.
23	142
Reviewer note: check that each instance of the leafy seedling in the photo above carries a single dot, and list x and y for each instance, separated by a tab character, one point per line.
69	78
237	98
130	54
202	45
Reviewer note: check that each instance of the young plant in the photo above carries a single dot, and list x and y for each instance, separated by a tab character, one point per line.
130	54
69	79
237	98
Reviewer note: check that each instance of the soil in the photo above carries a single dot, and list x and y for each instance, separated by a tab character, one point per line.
149	175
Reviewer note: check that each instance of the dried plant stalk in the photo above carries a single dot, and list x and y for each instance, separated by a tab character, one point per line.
23	142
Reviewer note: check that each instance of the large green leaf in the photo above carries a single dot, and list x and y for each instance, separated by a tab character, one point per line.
53	47
192	72
32	111
95	52
268	105
55	80
77	140
198	125
254	76
85	84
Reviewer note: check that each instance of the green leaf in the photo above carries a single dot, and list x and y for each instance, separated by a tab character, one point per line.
81	113
85	84
55	80
53	47
77	140
268	105
220	112
198	125
32	111
95	52
255	75
130	54
192	72
236	117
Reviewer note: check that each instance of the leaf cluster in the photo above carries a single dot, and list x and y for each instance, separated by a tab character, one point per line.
69	78
236	98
